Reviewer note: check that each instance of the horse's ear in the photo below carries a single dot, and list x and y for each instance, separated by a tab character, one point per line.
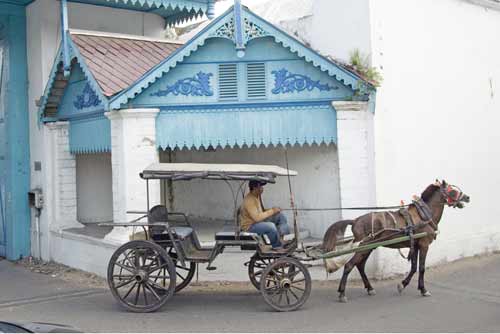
444	183
437	183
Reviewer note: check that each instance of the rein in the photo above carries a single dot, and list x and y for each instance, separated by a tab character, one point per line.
351	208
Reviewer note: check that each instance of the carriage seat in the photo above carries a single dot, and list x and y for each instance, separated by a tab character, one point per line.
159	213
231	235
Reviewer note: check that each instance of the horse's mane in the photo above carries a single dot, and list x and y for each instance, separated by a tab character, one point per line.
428	192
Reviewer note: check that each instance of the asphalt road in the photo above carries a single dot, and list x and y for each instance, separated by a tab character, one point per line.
466	298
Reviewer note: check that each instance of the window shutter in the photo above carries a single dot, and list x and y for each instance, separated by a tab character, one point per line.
256	81
228	82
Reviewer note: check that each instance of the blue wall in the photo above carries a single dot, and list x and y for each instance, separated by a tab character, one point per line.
219	51
16	164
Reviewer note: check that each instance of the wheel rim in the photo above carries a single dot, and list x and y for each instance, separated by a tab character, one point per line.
184	273
256	267
286	284
141	276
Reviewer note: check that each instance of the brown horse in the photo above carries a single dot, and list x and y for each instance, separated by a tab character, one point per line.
385	225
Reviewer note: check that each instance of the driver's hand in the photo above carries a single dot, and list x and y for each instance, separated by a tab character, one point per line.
276	210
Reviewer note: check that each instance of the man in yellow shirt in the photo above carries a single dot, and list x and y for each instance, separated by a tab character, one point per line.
253	217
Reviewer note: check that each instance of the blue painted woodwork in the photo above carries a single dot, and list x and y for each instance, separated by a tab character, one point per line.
238	25
221	51
223	26
14	135
286	82
246	126
174	11
90	135
79	73
64	36
199	85
79	96
88	98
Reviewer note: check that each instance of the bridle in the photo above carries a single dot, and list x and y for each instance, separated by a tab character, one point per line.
453	195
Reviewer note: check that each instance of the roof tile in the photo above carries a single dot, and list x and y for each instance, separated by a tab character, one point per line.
117	62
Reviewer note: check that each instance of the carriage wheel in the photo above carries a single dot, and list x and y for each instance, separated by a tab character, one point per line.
256	267
141	276
285	284
184	273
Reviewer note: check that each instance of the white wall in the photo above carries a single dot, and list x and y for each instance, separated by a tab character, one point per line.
340	26
437	115
43	36
94	188
316	186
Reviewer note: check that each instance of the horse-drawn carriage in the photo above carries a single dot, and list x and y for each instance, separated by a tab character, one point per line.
144	274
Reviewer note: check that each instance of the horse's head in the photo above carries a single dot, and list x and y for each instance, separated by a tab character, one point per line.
452	195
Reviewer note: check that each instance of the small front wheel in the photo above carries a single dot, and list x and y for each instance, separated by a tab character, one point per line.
285	284
256	267
141	276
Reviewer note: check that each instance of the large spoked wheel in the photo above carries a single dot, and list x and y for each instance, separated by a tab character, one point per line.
256	267
285	284
184	273
141	276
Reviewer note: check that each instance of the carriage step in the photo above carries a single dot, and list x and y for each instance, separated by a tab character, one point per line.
211	268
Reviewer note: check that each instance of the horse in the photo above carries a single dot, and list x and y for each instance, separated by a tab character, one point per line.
389	224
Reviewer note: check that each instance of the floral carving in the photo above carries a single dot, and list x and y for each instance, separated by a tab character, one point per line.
199	85
87	99
252	30
286	82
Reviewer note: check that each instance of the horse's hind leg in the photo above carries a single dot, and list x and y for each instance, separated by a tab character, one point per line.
406	281
361	269
347	269
421	271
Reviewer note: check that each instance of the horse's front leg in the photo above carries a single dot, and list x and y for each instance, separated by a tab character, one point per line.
421	271
362	273
347	269
413	269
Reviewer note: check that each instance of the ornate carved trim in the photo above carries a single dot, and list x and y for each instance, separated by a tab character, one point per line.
199	85
287	82
87	99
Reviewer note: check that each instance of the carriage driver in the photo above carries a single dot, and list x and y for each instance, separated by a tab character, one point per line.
253	217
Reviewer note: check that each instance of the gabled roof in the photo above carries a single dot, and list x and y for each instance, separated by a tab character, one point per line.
110	62
118	61
251	26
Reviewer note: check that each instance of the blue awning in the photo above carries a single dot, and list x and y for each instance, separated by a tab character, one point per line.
90	135
246	126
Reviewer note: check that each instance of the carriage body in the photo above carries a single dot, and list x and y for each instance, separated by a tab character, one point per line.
144	274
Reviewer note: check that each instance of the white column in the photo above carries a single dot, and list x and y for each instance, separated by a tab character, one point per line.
63	178
356	156
133	148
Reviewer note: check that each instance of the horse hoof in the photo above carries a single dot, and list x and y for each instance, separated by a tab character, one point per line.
372	292
400	288
342	299
425	293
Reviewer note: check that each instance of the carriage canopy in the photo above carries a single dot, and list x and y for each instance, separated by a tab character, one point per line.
188	171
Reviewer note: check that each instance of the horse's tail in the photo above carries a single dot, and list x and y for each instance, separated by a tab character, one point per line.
335	231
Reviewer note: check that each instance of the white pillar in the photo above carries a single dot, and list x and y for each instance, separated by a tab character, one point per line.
63	178
356	156
133	148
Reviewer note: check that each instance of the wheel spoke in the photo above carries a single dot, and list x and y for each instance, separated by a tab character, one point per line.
137	294
127	268
145	297
293	294
154	285
129	291
183	278
152	291
295	287
299	281
124	283
165	265
287	298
